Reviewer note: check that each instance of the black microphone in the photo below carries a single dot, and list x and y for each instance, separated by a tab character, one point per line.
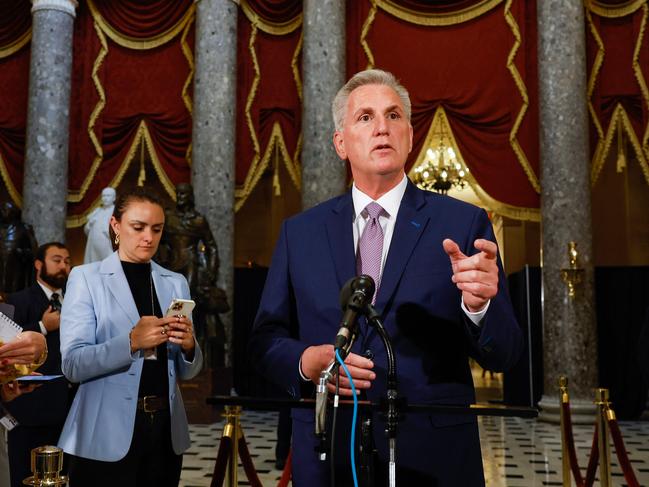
355	295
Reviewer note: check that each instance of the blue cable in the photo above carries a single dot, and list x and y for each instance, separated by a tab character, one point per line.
353	440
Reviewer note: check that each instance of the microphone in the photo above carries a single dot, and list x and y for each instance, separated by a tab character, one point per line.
355	295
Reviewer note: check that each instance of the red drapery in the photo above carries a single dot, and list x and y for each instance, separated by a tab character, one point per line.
268	91
133	66
463	67
618	70
15	31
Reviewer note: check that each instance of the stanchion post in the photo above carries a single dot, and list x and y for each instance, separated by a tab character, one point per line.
601	400
232	430
565	455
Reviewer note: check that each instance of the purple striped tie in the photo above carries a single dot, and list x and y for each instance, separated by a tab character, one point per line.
370	246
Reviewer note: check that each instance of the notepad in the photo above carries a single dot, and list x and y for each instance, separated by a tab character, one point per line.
8	328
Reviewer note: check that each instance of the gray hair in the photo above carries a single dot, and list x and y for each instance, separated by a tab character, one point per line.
362	78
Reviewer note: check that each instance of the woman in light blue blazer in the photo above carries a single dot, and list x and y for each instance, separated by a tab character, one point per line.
127	425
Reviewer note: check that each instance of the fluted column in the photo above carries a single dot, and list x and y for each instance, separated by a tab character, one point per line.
46	156
323	68
213	134
570	334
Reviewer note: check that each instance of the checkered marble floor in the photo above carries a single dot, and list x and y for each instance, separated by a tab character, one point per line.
516	452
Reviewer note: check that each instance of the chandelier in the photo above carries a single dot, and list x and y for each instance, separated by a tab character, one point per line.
441	170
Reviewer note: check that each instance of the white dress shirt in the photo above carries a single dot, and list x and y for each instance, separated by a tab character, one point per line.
390	202
48	292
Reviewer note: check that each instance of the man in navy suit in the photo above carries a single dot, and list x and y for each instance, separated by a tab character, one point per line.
40	414
441	294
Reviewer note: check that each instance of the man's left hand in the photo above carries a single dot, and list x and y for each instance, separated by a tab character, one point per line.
476	275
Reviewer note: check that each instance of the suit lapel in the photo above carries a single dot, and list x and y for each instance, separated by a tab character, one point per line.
341	239
164	288
115	279
408	228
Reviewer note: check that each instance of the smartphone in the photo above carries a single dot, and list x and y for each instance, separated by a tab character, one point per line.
36	379
180	307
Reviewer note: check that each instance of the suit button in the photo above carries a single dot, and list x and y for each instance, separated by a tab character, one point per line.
368	354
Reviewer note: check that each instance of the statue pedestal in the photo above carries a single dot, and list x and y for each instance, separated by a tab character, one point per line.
211	381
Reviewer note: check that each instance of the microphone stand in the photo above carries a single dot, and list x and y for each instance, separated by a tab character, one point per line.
392	416
322	395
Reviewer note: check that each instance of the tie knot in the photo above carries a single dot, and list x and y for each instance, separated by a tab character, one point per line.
55	296
374	209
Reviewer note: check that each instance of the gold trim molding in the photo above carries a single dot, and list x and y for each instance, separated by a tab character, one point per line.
614	11
273	28
437	19
15	195
140	44
17	45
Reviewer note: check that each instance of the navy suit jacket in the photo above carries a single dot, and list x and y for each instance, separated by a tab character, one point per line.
49	403
421	311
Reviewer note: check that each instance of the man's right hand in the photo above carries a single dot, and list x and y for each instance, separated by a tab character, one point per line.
51	319
317	358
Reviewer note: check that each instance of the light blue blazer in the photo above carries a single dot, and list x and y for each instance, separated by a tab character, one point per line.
97	316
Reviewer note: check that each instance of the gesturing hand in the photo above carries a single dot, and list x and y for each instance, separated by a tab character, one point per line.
317	358
477	275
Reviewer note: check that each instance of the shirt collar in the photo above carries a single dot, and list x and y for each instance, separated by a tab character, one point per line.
390	201
48	292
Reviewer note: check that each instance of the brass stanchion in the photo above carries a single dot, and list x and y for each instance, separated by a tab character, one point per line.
601	400
47	463
232	447
232	431
565	454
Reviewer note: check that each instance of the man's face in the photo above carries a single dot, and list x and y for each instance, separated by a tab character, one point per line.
183	196
376	136
54	270
107	197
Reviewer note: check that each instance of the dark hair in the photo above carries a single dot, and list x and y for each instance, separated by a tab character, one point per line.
125	198
41	252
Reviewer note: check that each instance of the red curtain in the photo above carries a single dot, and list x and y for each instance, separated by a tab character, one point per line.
463	68
618	64
140	86
15	23
268	86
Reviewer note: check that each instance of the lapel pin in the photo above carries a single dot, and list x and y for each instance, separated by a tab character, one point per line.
415	224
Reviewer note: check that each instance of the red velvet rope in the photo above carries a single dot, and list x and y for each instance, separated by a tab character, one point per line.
625	464
572	454
286	473
246	461
225	449
592	461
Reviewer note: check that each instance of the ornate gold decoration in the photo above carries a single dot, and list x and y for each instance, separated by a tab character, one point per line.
515	212
613	11
620	119
16	45
437	19
364	33
142	136
573	274
13	192
135	43
274	28
511	66
478	10
189	55
275	142
74	196
260	163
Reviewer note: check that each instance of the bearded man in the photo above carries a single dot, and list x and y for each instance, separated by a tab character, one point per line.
40	414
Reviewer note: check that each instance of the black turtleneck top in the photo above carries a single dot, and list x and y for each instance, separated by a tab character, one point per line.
153	381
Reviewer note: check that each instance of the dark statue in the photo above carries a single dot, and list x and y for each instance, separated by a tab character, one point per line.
188	247
17	249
